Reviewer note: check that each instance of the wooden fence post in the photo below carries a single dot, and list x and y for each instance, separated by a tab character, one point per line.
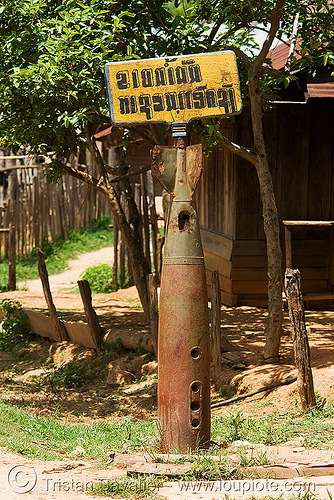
11	258
157	239
122	262
145	220
58	325
215	326
300	342
115	263
154	310
92	319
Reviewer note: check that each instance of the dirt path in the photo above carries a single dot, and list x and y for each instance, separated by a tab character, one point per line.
49	480
70	479
67	281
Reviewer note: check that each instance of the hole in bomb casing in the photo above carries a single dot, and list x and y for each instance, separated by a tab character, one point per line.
195	386
195	405
196	353
184	221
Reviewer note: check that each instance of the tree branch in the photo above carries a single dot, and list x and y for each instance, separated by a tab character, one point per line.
293	42
154	15
278	38
245	153
130	174
156	135
99	161
240	53
141	133
272	72
269	97
274	25
229	32
83	176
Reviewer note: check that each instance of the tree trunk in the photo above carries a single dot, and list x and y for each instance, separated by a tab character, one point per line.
139	264
129	228
271	226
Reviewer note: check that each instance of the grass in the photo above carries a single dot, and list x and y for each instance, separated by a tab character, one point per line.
26	433
315	427
48	439
59	252
130	487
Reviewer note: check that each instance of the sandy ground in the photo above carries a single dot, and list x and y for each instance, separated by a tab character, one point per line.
67	281
244	327
41	480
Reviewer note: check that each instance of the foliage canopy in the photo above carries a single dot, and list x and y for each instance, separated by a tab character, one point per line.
53	53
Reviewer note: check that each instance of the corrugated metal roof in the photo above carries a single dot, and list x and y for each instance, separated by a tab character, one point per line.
320	89
103	133
279	55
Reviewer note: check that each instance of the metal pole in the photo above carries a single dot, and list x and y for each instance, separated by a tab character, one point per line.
184	339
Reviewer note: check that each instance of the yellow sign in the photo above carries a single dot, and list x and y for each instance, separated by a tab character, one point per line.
173	89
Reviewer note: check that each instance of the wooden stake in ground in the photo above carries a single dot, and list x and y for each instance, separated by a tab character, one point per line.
154	310
300	342
92	319
58	325
215	326
12	258
115	264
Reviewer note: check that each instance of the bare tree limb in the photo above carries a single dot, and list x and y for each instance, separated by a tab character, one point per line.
274	25
99	161
130	174
156	135
153	14
240	53
245	153
140	131
293	42
83	176
289	380
269	97
230	31
278	38
267	70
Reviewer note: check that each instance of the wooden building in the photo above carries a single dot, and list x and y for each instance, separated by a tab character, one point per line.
299	135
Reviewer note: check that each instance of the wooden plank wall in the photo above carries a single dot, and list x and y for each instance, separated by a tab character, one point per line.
300	146
215	200
300	140
215	193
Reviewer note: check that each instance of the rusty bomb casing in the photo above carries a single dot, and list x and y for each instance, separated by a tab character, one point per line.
184	340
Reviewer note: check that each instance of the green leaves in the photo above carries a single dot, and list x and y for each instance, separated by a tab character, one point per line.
53	53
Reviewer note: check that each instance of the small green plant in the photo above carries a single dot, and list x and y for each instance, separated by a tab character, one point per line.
134	487
14	328
70	375
236	422
257	458
211	469
100	278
